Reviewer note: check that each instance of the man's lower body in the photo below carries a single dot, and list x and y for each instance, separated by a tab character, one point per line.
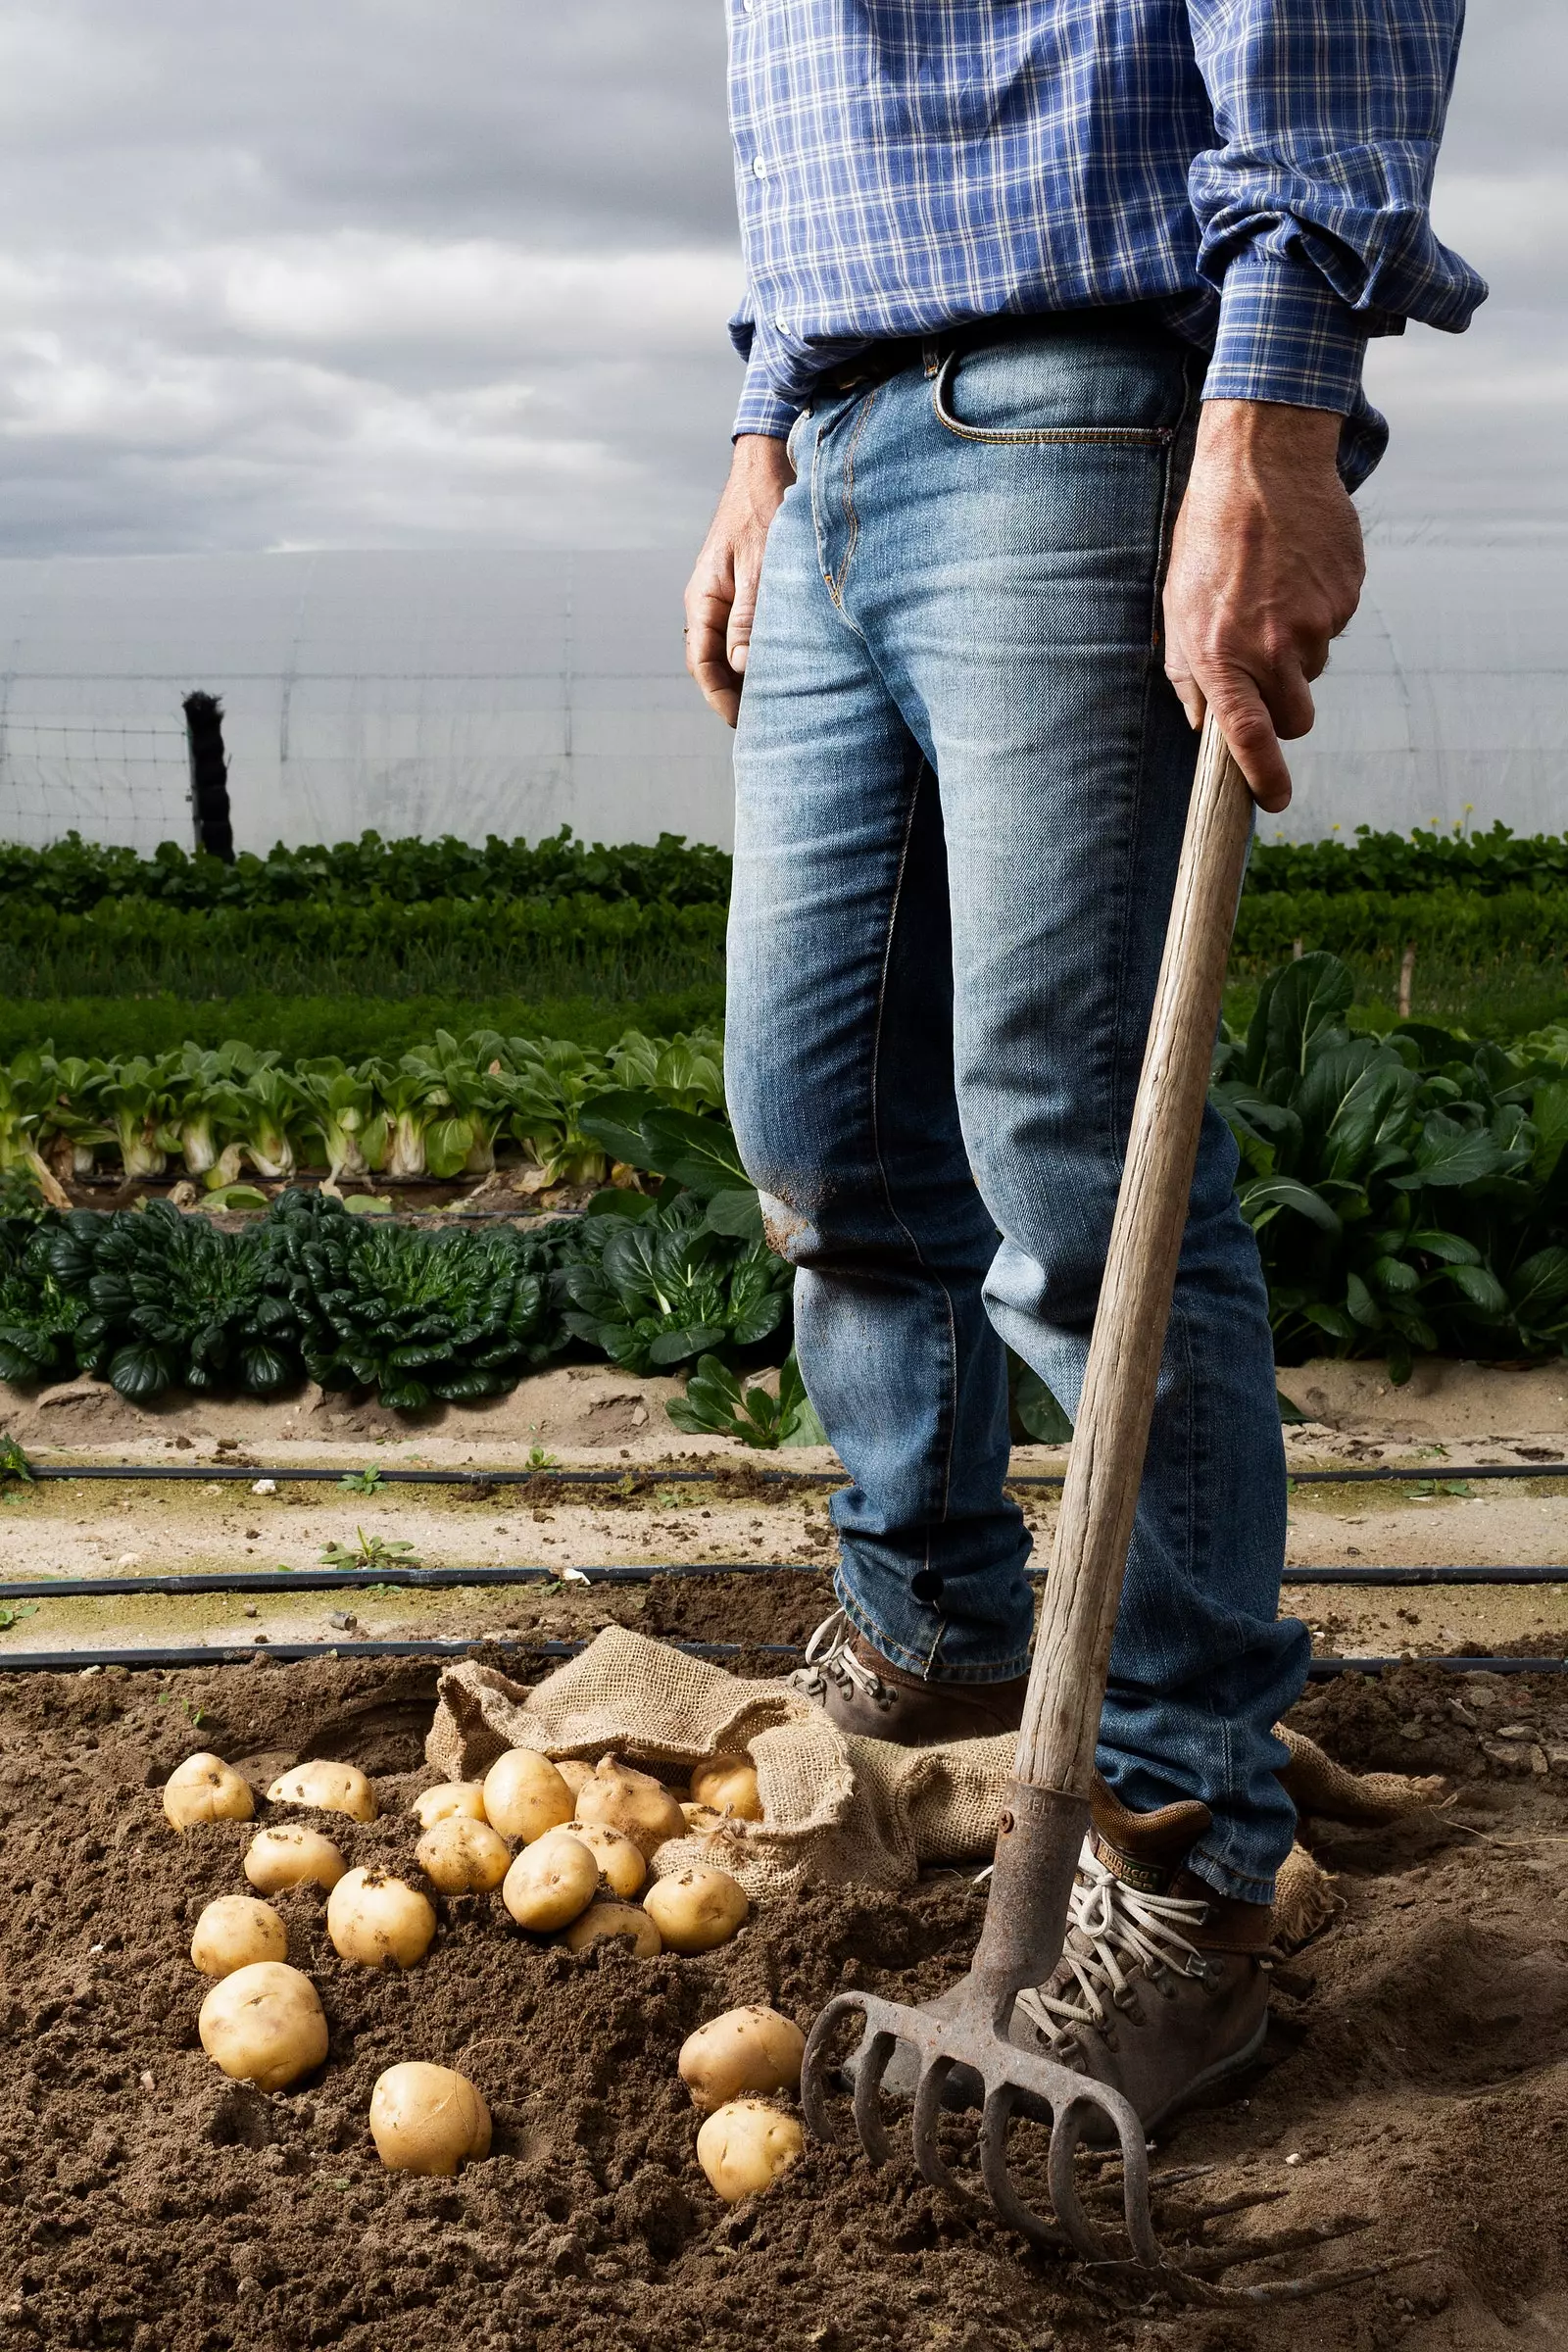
962	782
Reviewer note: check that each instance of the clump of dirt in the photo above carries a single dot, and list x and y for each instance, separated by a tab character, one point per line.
1414	2080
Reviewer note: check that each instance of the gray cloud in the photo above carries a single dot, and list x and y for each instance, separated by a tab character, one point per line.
399	272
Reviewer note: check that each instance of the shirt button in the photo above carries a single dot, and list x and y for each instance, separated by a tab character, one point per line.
758	166
783	326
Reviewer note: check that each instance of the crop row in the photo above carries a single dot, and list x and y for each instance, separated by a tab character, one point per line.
474	949
74	876
1410	1194
1455	925
442	1109
1403	864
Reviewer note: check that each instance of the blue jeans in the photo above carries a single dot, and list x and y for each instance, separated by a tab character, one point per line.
961	780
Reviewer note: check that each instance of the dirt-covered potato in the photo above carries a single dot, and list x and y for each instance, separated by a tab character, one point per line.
378	1920
550	1882
574	1771
328	1786
703	1822
290	1857
743	2147
427	2118
206	1789
462	1857
640	1807
264	2025
730	1784
449	1800
524	1796
604	1923
740	2054
620	1863
697	1909
236	1931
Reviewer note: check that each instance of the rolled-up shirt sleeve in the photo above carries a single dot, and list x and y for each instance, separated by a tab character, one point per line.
760	410
1312	206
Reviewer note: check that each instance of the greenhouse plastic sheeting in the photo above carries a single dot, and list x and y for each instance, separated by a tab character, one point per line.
478	692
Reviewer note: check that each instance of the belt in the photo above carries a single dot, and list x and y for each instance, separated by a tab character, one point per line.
889	354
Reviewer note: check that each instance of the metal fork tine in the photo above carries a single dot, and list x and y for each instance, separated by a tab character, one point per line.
813	2066
870	2065
994	2118
927	2111
1065	2131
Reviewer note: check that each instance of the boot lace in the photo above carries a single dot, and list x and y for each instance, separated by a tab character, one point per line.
1112	1931
830	1657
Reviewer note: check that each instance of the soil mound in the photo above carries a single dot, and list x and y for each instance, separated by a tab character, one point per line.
1416	2080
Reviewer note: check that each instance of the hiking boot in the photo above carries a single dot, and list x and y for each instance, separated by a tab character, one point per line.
860	1690
1162	1986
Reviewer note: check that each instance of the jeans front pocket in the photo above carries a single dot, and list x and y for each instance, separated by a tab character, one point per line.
1112	388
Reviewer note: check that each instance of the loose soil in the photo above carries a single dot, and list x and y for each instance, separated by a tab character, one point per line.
1412	2095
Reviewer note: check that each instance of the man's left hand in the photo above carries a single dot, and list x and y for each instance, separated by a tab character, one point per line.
1266	568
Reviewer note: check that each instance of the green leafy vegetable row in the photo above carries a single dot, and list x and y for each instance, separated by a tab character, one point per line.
1407	864
75	876
150	1299
442	1109
137	946
1458	926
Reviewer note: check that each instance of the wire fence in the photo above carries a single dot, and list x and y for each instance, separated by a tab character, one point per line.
124	784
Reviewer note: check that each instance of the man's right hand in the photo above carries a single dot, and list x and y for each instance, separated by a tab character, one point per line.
721	593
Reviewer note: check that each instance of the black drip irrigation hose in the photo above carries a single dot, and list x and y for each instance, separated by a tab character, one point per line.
200	1473
341	1580
88	1661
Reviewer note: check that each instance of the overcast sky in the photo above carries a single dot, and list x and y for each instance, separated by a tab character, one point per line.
404	272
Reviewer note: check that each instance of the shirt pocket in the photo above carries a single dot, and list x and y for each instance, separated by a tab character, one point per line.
1069	383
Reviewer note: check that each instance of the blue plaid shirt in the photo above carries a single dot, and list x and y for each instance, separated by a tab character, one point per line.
1261	168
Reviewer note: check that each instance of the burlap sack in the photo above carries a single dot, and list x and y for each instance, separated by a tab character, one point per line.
836	1809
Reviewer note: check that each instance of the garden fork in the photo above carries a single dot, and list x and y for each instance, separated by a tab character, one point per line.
1044	1810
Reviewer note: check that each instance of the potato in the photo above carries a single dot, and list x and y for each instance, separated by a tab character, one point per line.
703	1822
602	1922
373	1918
292	1858
745	2147
449	1800
524	1796
620	1863
331	1787
697	1909
206	1789
236	1931
574	1771
640	1807
550	1882
264	2025
744	2050
462	1857
730	1784
427	2118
